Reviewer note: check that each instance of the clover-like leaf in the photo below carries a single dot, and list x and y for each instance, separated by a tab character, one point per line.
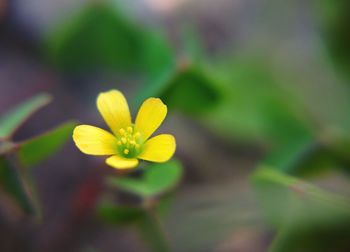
283	196
35	150
12	184
157	179
99	36
334	24
10	121
186	88
306	217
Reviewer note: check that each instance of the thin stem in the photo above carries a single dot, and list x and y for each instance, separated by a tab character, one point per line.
153	233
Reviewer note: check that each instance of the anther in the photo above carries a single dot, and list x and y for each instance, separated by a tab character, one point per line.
124	140
122	131
126	151
129	129
119	143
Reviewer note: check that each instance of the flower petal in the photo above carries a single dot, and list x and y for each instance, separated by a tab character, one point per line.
159	148
122	163
150	116
94	141
114	110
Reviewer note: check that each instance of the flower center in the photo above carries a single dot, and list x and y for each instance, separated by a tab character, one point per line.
130	142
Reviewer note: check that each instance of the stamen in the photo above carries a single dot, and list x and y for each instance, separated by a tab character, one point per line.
129	141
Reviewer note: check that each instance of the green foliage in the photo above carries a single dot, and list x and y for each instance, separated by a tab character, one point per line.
334	18
157	179
255	107
288	157
16	116
14	180
306	217
119	215
35	150
187	89
309	157
320	235
98	36
275	187
157	56
11	182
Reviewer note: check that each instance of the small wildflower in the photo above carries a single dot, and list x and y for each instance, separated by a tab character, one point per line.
129	141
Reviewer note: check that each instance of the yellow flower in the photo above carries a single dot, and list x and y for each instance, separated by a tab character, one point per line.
129	141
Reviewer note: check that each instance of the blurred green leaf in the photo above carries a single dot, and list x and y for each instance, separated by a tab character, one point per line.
12	183
288	158
119	215
157	55
10	121
280	195
334	19
187	89
98	36
307	218
35	150
157	179
255	107
319	235
306	156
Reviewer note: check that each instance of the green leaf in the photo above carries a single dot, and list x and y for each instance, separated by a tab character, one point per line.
37	149
16	116
119	215
289	157
281	195
12	183
187	89
97	37
157	54
157	179
255	106
307	217
317	236
334	23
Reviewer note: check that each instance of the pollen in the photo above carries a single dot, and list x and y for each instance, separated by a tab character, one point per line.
129	142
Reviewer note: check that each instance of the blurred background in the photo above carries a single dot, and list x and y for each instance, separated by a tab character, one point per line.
259	101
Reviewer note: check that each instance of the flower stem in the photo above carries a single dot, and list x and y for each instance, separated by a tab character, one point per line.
153	233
